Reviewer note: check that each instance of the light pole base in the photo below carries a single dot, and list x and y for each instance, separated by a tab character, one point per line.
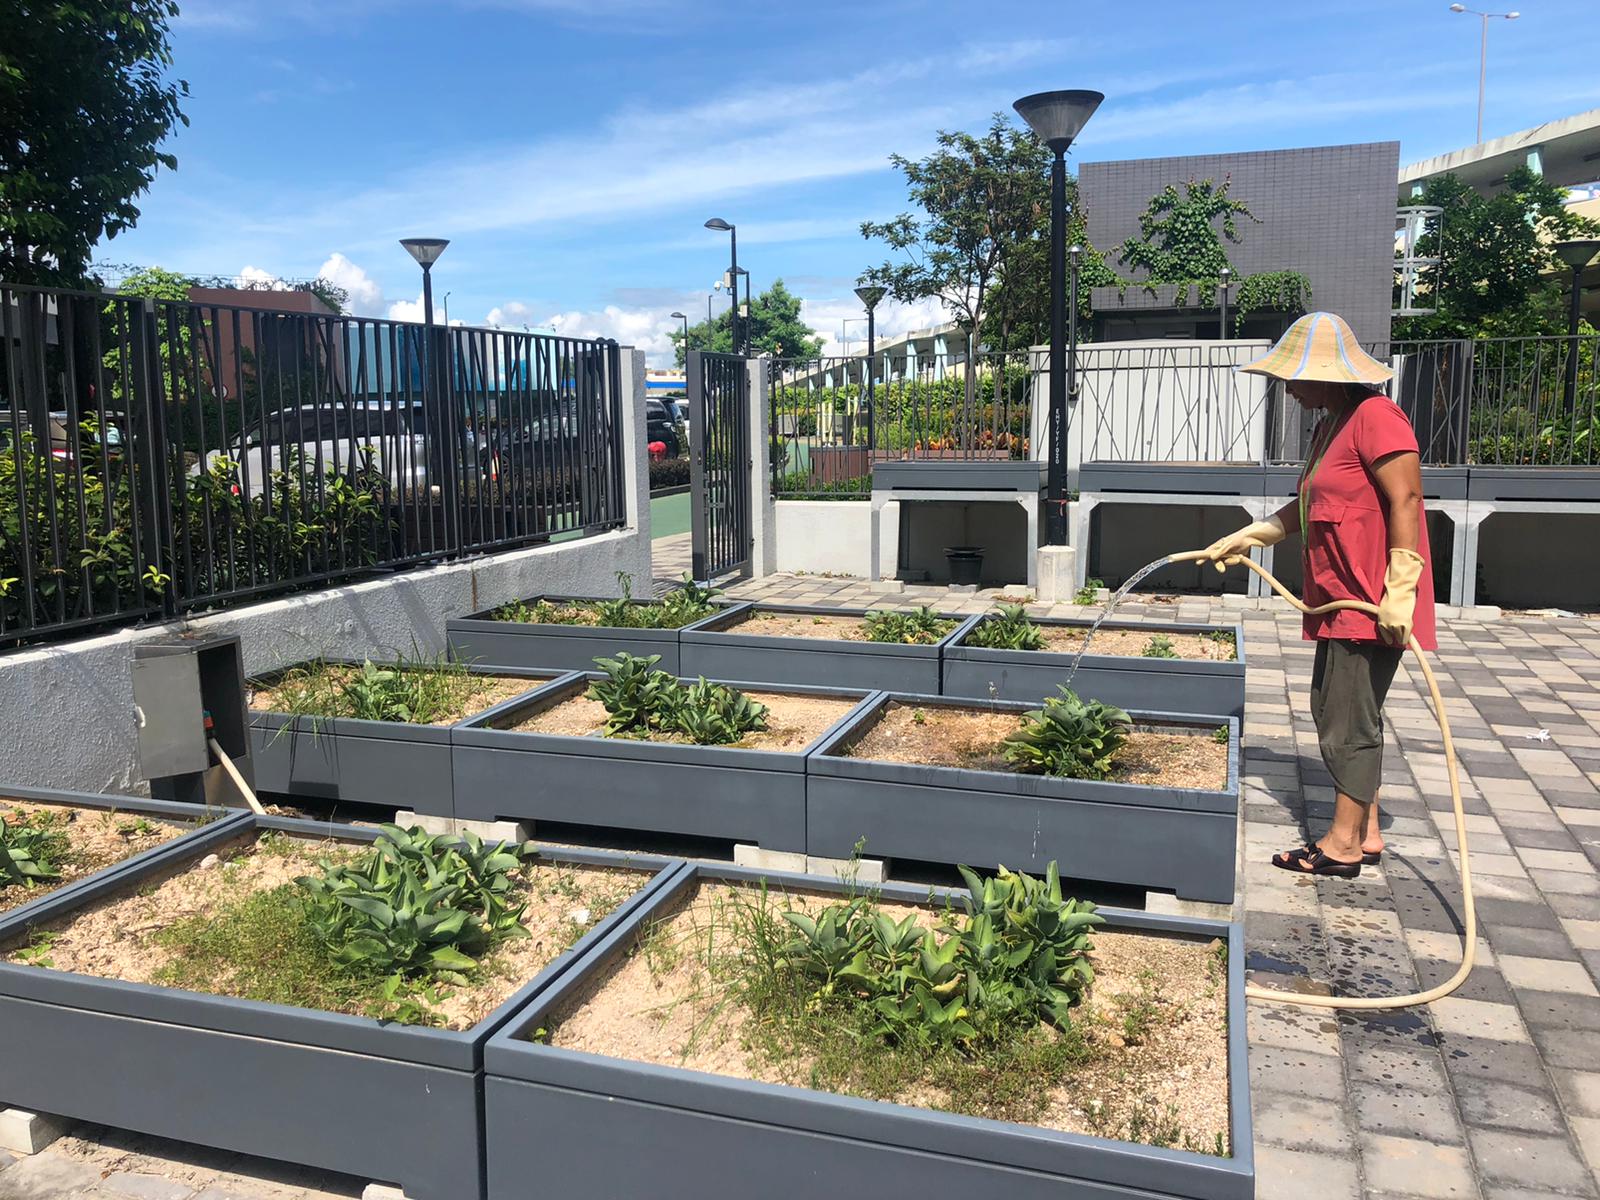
1057	572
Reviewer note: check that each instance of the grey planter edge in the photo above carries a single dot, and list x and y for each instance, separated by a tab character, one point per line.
1137	682
740	795
287	1072
931	1140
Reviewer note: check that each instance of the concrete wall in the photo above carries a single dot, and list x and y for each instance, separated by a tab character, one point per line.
66	710
1539	560
832	537
1325	211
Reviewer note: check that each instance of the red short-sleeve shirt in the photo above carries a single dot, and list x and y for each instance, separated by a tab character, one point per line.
1347	525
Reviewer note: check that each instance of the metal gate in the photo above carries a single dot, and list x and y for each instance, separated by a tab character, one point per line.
719	464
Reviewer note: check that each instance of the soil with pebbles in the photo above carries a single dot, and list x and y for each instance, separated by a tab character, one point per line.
485	692
117	938
1131	643
971	738
793	721
97	838
826	626
663	1004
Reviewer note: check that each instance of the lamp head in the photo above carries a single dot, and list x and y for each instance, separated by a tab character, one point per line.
425	250
718	224
870	294
1058	117
1576	254
680	316
1458	8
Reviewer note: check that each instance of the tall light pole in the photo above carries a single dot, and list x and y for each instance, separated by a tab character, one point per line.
1074	263
1057	118
1225	277
440	436
684	317
732	231
870	295
447	310
1483	50
1575	254
745	310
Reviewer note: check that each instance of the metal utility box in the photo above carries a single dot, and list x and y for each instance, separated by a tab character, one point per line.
175	684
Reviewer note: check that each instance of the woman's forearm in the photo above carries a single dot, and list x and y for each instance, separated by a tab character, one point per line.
1289	516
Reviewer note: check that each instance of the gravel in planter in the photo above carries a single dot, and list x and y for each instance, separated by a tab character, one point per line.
767	623
1137	643
69	842
794	720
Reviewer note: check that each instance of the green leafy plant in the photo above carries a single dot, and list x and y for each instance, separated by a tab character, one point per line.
1086	594
1220	735
30	853
411	690
1009	629
1068	737
619	611
1159	646
921	627
688	602
641	700
713	714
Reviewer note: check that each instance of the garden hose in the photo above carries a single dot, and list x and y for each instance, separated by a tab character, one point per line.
1469	912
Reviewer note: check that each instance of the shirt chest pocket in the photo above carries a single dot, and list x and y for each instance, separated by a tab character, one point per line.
1337	540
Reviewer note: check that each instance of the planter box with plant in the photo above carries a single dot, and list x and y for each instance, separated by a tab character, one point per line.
1132	664
320	995
1150	800
788	1037
633	747
364	733
568	633
52	839
896	650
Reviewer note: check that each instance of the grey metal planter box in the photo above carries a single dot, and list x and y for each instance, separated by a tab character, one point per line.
1136	834
754	796
486	642
563	1122
378	1100
718	650
1128	681
975	474
1549	484
387	763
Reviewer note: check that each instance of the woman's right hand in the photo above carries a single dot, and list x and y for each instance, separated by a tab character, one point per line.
1228	550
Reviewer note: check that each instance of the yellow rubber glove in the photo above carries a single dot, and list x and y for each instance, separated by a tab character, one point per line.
1399	604
1227	550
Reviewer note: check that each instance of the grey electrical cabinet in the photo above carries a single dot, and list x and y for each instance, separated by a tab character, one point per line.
176	684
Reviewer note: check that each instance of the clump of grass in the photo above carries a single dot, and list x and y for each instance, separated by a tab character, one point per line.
685	604
920	627
1225	639
418	690
1009	629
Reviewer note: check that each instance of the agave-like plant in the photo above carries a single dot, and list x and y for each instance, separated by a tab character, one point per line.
1069	737
27	854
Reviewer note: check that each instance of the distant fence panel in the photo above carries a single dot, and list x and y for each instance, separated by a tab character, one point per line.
721	500
158	457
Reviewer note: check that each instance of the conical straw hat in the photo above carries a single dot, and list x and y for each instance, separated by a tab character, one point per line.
1319	345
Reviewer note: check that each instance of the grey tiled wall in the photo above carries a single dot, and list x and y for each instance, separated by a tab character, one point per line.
1325	211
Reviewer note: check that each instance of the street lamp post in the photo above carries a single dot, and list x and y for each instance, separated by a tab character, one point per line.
1483	50
1576	254
732	231
1226	277
1074	264
870	295
441	436
684	317
1056	118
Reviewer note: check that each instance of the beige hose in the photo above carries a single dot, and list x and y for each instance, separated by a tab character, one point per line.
1469	912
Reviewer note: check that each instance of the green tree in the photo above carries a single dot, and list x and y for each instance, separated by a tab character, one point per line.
1019	304
1499	277
776	328
85	104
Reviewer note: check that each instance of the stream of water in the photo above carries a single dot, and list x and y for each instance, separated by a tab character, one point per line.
1117	598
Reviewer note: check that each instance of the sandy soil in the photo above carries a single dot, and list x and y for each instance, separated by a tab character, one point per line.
116	939
971	737
780	624
664	1004
98	839
793	722
487	691
1132	642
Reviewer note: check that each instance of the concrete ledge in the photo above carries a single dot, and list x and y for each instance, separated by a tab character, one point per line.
862	870
489	831
23	1132
755	857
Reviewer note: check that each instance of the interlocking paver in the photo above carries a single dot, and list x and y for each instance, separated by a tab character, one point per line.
1414	1167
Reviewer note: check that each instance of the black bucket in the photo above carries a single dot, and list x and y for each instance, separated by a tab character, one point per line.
966	563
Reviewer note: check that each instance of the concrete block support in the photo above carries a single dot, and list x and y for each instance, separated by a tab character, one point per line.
23	1132
763	507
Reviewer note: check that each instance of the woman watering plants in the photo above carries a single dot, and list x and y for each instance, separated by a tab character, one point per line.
1359	509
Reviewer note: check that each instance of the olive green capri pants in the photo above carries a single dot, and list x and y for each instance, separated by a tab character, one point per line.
1348	686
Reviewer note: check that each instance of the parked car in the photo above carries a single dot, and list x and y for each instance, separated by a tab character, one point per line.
60	435
661	425
335	436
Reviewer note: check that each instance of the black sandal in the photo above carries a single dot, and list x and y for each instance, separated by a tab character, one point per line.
1372	859
1309	860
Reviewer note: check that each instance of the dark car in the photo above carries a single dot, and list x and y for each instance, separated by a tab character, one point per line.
661	426
66	442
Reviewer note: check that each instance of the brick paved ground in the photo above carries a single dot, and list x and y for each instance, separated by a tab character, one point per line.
1493	1093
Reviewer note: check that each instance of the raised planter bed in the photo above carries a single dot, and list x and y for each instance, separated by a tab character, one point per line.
91	836
382	1100
393	764
598	1124
807	648
488	641
745	795
1208	677
1154	835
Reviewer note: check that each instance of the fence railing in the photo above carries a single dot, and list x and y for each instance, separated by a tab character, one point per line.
1523	401
158	457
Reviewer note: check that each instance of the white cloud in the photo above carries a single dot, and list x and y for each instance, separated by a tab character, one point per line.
412	310
366	297
893	319
255	277
513	315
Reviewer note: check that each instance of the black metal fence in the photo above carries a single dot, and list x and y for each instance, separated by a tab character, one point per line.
1510	402
721	487
158	457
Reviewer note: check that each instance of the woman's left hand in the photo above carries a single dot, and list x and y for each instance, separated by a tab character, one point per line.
1398	607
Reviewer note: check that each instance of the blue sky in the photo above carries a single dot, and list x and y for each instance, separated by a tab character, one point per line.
571	149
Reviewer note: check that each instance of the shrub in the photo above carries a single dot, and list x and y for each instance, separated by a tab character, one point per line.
1069	737
416	691
1009	629
669	473
922	627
